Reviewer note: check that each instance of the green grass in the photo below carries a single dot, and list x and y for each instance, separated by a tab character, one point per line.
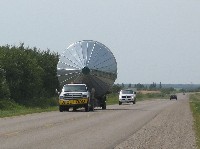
24	111
112	99
10	108
195	107
148	96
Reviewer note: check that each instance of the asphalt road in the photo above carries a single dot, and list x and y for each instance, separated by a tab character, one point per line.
100	129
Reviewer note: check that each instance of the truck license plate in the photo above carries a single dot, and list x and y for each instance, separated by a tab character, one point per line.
79	101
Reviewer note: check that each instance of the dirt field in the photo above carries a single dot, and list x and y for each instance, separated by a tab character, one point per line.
146	92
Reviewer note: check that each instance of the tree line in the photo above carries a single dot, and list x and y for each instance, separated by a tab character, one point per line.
27	75
151	87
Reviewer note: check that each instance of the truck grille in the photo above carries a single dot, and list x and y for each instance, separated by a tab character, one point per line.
72	96
126	96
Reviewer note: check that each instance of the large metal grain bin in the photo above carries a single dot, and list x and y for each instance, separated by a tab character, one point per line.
89	62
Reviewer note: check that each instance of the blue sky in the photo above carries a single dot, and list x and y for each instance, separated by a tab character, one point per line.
152	40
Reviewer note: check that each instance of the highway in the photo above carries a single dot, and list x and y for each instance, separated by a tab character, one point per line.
80	130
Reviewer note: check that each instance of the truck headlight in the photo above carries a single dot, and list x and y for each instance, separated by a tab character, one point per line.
85	96
61	97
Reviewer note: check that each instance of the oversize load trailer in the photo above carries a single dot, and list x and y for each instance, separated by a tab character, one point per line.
91	63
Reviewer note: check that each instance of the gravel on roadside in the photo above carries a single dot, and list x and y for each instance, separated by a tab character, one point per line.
171	129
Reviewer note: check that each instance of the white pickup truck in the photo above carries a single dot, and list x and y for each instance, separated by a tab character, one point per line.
75	96
127	96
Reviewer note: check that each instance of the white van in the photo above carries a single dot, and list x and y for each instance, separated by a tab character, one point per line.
127	96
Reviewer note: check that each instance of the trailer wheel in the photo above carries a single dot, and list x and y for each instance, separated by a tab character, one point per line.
92	105
61	108
87	108
104	106
104	103
66	108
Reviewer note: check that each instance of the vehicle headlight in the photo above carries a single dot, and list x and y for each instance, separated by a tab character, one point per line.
85	96
61	97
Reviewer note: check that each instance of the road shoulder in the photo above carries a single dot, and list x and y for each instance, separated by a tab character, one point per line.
172	128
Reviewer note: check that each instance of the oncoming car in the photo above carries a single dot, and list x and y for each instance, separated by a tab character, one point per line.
173	97
127	96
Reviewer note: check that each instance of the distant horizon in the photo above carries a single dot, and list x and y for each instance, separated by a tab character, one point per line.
178	86
163	83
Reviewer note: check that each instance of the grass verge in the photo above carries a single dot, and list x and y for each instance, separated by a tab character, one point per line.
112	99
10	108
148	96
195	107
24	111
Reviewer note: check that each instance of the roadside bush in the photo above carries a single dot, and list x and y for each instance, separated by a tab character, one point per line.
112	98
116	88
42	102
4	89
30	75
8	105
141	96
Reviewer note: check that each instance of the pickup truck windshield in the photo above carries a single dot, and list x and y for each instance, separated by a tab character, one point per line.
127	92
75	88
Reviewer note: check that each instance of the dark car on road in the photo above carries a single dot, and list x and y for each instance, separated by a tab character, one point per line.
173	97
